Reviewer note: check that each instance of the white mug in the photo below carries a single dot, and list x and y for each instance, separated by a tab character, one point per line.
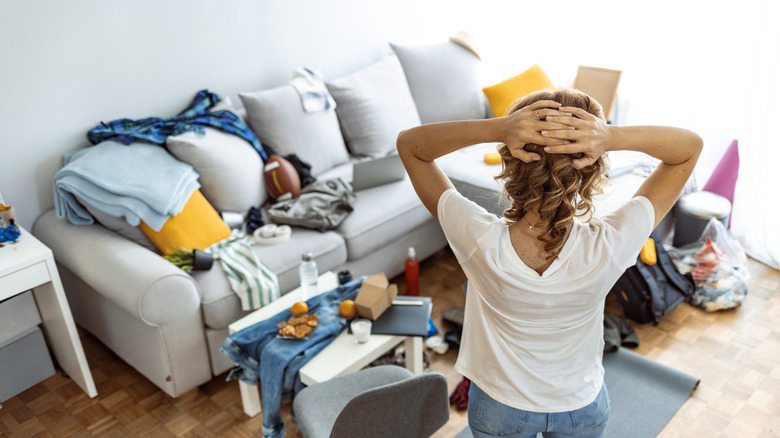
361	330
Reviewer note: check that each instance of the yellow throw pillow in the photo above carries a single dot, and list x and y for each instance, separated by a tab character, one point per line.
198	226
504	93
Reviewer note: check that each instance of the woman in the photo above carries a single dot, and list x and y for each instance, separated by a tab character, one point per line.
533	326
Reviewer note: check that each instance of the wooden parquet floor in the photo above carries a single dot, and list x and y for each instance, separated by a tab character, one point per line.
736	354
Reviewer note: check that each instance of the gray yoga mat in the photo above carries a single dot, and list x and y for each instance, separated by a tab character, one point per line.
644	394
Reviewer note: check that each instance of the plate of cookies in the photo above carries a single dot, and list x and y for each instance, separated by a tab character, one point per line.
298	327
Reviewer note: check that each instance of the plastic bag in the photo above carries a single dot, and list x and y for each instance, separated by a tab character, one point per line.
718	265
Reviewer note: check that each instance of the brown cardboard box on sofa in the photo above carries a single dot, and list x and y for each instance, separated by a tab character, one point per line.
375	296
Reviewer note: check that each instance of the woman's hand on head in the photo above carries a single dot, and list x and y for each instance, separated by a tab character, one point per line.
525	126
583	134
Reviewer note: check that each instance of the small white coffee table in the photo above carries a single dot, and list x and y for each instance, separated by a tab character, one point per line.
342	356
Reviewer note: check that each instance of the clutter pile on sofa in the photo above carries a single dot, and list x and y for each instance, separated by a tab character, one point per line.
184	178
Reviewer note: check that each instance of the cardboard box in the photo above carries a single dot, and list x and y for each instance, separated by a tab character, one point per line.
375	296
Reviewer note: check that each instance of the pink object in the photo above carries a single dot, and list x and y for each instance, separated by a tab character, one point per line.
724	177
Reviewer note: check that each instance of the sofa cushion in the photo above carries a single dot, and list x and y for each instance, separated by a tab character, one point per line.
230	170
474	178
443	80
373	105
382	214
221	306
279	121
503	94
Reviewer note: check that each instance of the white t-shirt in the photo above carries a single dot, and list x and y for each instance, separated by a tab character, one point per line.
535	342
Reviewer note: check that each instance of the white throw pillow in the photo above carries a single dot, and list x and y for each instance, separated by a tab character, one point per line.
374	104
444	81
279	121
230	169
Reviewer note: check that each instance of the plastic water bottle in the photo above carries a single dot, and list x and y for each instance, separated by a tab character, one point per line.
412	271
308	274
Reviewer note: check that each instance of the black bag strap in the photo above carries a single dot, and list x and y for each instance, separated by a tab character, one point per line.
681	282
655	285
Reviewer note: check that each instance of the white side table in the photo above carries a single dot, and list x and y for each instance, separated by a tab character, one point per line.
29	264
342	356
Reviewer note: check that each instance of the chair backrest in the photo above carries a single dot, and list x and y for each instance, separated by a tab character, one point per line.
601	84
415	407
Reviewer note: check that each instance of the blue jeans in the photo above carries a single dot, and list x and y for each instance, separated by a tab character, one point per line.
275	362
489	418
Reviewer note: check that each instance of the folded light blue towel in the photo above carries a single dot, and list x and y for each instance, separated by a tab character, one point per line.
139	181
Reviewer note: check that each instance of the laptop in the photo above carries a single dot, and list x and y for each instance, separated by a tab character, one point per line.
377	171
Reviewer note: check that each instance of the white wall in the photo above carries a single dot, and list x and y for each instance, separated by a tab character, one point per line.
66	66
687	64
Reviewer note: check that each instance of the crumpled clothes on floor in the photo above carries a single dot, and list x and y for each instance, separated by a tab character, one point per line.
618	332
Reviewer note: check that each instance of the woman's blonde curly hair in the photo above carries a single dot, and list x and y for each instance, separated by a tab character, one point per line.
551	186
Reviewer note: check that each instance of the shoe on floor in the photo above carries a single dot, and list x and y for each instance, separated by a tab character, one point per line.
452	338
454	317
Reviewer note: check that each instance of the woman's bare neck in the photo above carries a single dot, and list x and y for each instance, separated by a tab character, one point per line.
525	237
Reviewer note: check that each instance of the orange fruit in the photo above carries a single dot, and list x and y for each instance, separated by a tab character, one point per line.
300	308
347	309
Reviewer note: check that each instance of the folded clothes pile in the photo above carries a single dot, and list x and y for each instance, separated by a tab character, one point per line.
140	182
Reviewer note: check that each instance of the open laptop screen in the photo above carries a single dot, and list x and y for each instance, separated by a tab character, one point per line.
377	171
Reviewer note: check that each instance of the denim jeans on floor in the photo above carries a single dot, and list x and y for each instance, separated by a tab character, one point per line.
275	362
489	418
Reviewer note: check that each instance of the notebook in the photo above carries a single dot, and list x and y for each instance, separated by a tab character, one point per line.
377	171
404	320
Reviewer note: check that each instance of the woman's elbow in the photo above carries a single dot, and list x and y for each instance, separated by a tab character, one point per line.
692	143
409	144
401	142
698	145
692	138
405	144
698	142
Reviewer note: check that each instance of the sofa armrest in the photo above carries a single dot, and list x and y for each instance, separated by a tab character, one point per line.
136	279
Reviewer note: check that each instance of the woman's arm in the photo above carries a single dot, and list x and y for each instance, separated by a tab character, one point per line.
678	149
418	147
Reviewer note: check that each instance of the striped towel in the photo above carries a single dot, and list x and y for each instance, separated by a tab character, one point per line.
249	278
312	90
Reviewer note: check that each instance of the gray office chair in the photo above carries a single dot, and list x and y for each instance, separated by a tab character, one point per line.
383	401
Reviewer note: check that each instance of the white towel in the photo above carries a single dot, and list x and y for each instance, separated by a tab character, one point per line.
139	181
312	90
249	278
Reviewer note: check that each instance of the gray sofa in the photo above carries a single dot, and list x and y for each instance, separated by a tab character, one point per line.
169	324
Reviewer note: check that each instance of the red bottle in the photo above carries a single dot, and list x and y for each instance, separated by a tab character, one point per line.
412	271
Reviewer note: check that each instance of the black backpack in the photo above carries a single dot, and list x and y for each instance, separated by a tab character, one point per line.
647	291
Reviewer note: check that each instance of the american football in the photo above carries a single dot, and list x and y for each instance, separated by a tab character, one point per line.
281	178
